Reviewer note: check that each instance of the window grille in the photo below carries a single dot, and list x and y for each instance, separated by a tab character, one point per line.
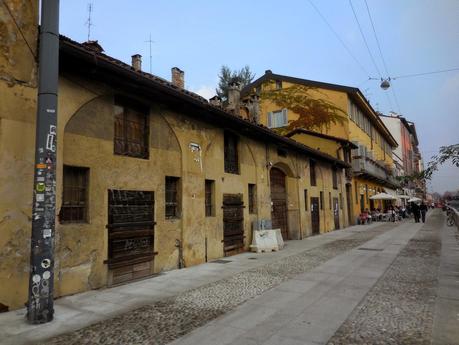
305	199
74	198
209	198
231	153
172	197
252	198
130	227
312	172
131	131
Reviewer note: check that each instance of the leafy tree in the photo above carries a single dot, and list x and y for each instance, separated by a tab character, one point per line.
445	154
226	76
313	113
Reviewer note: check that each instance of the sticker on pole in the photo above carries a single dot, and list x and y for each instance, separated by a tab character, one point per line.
40	187
46	263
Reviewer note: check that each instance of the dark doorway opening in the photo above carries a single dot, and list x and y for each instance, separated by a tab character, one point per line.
315	216
279	201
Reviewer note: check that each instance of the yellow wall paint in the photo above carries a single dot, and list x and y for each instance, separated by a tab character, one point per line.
329	146
85	139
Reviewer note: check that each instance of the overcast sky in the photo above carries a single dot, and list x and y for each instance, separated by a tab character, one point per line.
290	37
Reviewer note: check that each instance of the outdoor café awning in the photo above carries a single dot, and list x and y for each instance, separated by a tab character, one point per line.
414	199
383	196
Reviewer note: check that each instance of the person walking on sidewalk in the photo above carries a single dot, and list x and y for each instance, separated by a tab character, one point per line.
416	211
423	210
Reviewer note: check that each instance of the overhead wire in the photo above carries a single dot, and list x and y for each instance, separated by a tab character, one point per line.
339	38
425	73
364	39
19	29
381	54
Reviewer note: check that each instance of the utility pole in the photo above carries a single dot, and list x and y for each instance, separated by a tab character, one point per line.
40	306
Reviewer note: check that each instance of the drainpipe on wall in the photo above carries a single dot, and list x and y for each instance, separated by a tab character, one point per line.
40	306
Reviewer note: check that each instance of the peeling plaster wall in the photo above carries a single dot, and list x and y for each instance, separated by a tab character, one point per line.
17	140
85	138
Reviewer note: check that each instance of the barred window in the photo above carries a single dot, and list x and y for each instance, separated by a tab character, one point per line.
172	205
209	198
74	198
312	172
231	154
131	130
252	198
305	199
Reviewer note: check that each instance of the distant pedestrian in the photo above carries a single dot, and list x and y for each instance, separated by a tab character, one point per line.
416	212
423	210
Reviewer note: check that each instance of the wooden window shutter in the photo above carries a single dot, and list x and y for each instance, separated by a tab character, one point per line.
284	117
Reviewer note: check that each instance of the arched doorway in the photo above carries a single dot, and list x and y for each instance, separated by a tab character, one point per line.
279	201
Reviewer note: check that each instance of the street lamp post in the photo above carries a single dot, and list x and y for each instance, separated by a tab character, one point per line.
40	308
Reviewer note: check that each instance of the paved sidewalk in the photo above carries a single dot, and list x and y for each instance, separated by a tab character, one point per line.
308	309
78	311
446	319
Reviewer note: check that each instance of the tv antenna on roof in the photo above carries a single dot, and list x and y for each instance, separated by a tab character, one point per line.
150	42
89	22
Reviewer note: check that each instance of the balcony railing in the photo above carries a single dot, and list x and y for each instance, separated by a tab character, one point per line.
366	165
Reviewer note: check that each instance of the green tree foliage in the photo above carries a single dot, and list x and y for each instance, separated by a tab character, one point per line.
446	153
313	113
244	76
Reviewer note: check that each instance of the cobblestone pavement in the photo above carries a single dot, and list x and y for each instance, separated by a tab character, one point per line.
399	309
171	318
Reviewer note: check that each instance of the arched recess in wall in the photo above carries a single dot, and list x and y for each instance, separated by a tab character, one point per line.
251	158
285	168
164	138
284	195
245	151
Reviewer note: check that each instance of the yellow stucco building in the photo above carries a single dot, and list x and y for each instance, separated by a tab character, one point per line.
150	176
343	125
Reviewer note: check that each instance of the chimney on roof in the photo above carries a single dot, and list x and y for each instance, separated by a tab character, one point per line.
178	77
93	45
234	96
216	101
137	62
253	105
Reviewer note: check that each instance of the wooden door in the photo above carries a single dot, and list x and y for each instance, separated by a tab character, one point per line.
336	212
279	201
349	203
130	234
315	216
233	224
